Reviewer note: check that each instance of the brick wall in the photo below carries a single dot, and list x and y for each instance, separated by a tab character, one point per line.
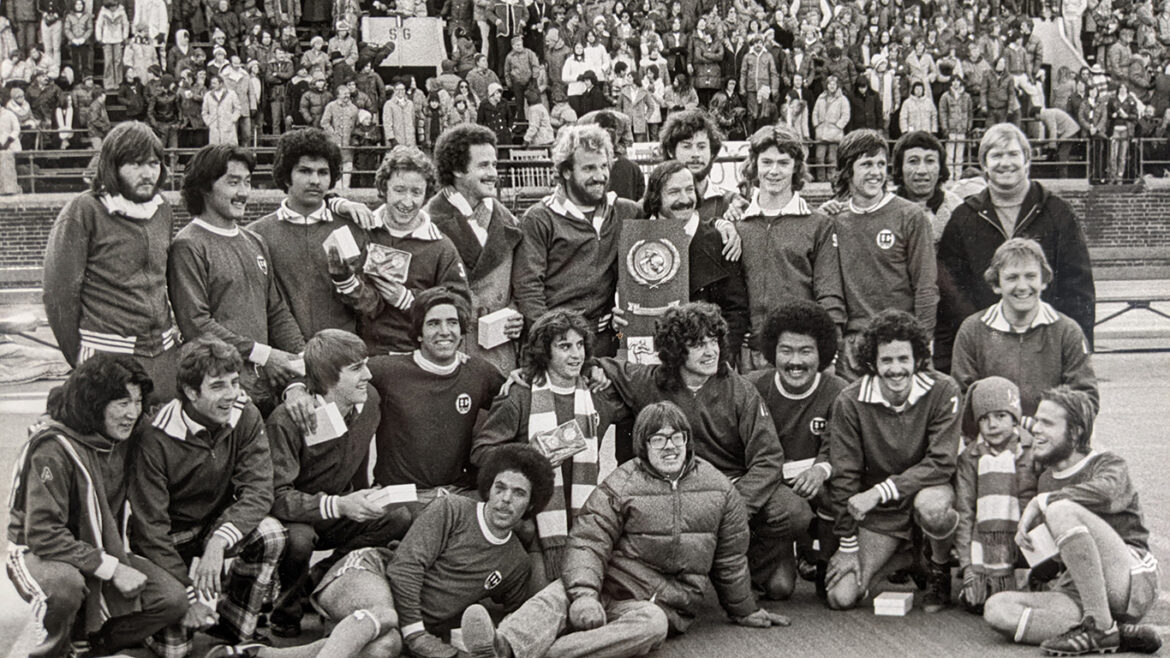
1128	228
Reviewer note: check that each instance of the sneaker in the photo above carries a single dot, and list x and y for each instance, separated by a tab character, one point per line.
246	650
479	635
1139	638
938	587
1082	639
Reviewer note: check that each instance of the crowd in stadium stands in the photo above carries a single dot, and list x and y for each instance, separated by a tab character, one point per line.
234	71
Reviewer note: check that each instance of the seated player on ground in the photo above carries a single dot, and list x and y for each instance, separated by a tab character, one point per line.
65	534
895	435
994	482
1088	504
639	558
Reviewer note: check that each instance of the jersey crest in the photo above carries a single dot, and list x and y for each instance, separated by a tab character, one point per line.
885	239
46	475
818	426
494	578
463	403
262	263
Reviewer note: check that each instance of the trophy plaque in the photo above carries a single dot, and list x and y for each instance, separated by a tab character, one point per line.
653	275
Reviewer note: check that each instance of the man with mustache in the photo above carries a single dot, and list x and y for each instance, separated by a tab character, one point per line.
671	196
568	255
919	171
221	280
550	394
731	426
790	249
895	439
484	231
105	286
887	243
799	341
1012	206
1088	504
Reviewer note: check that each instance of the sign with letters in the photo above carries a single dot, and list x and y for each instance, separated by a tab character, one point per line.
653	275
418	41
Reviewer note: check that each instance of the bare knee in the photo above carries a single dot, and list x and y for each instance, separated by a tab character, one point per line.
934	512
842	597
1002	613
386	615
1060	515
782	582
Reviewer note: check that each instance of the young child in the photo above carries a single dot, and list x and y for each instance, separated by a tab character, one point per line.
994	483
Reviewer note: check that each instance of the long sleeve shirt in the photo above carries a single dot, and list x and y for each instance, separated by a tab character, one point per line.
1100	483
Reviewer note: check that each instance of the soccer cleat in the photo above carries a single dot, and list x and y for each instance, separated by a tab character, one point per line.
938	587
1083	638
246	650
479	635
1139	638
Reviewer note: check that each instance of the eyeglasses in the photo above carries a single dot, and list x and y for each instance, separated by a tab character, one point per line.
659	441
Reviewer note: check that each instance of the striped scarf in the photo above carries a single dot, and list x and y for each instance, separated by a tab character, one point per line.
997	512
552	524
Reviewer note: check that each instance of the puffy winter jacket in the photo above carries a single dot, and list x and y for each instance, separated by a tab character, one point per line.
642	536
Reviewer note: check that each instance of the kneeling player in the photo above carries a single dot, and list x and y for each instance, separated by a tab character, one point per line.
1088	503
895	434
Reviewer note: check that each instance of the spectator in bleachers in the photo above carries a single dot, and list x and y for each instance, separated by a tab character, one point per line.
496	114
314	100
9	144
221	112
141	55
918	111
132	96
830	116
18	104
315	58
338	120
78	35
51	26
481	77
25	17
236	78
112	30
366	137
398	118
163	112
279	71
192	89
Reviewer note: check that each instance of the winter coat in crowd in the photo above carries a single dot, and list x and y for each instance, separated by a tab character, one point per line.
399	123
221	111
830	116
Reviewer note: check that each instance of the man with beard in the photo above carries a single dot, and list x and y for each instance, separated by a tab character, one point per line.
670	196
106	259
484	231
430	400
1011	206
790	249
568	256
888	239
621	595
1088	504
220	277
551	394
895	438
799	341
732	430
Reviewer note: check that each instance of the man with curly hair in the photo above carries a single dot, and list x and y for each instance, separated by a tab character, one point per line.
485	232
568	257
790	249
404	235
732	429
620	594
800	343
891	261
895	438
551	396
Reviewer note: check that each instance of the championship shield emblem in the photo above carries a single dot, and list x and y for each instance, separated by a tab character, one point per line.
653	275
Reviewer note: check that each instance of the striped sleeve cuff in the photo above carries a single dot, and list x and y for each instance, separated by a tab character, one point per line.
259	354
411	629
335	204
108	567
826	467
192	597
229	533
849	544
887	490
329	507
406	300
347	287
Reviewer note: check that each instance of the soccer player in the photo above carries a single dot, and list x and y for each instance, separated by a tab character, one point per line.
221	280
550	395
430	401
790	249
919	171
66	538
319	479
732	429
426	258
105	271
799	342
568	257
201	492
1011	206
891	262
1022	337
456	553
621	593
895	434
671	196
484	231
1088	504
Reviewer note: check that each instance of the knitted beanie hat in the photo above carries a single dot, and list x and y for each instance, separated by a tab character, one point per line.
988	395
